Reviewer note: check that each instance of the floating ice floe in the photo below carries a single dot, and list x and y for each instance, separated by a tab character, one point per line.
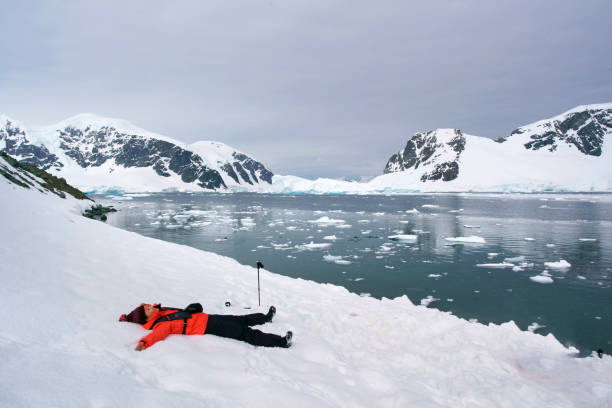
492	254
587	239
471	226
312	246
529	239
550	245
363	221
515	259
562	264
247	222
291	228
413	211
336	259
366	232
343	225
330	237
182	218
430	206
501	265
281	247
434	275
474	239
325	220
428	300
403	237
544	277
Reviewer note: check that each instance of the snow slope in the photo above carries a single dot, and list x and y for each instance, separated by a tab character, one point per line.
66	279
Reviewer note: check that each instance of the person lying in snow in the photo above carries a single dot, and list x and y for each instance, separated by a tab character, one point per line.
165	321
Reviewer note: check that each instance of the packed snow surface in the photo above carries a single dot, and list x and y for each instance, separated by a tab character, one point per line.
66	279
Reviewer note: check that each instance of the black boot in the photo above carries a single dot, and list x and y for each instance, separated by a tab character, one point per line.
288	339
270	314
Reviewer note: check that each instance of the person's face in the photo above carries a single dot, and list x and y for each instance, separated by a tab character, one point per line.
148	309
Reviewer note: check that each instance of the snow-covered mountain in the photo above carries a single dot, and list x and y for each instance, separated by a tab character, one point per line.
569	152
564	152
102	154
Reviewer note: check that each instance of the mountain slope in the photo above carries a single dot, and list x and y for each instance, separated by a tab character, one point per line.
111	154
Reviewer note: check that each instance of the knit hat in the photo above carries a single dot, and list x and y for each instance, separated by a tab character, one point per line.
135	316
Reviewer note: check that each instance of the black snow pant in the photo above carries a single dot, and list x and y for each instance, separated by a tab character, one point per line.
237	327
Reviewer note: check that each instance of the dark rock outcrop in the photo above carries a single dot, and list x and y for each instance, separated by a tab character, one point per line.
424	149
583	129
17	145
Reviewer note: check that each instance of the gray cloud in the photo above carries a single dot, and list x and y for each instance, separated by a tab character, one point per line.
311	88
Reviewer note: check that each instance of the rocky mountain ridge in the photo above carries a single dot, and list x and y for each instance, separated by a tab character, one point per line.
438	155
89	144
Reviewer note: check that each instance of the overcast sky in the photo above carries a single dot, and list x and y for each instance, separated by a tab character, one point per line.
310	88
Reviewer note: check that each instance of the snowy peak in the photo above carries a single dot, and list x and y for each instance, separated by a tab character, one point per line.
584	128
98	152
13	141
436	152
237	165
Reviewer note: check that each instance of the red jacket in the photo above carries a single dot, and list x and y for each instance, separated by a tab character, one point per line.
195	325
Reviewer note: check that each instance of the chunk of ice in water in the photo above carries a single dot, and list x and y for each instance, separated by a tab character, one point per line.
541	279
402	237
515	259
312	246
500	265
426	301
562	264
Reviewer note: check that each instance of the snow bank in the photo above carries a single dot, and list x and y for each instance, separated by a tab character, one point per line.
65	280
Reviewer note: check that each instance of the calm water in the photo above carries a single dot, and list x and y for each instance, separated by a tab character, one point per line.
344	240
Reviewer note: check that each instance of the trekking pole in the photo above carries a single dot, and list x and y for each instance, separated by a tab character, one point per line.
259	265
